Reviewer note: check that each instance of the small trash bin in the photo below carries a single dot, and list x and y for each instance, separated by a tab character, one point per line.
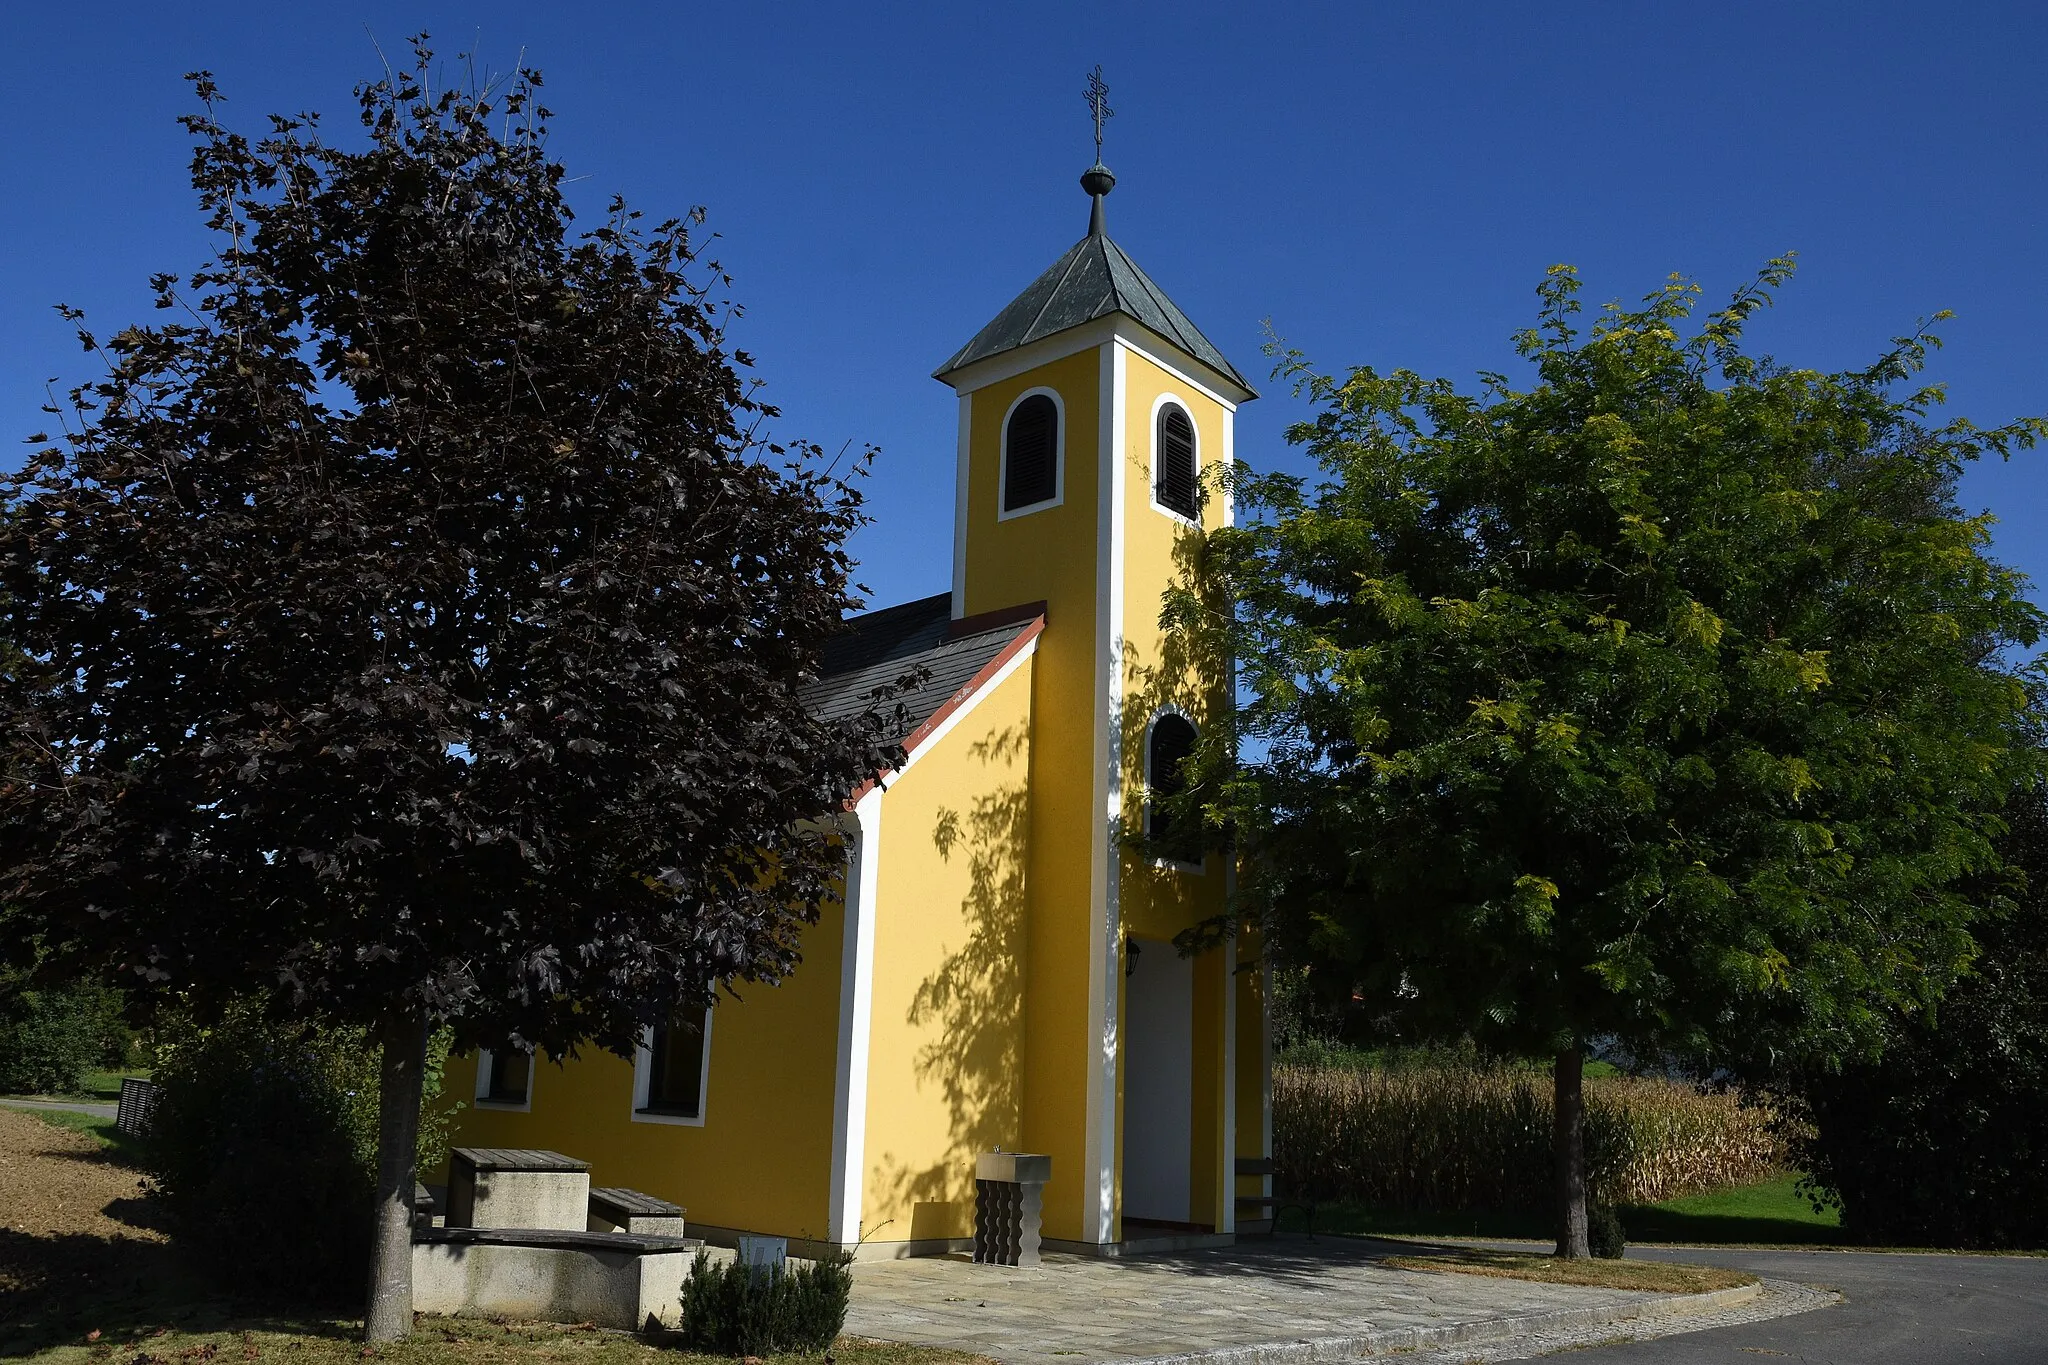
1009	1206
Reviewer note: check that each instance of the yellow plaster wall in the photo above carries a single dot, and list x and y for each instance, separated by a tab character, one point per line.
946	1041
761	1162
1160	901
1051	556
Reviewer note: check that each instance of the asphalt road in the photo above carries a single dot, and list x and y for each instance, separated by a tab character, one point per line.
1900	1309
100	1111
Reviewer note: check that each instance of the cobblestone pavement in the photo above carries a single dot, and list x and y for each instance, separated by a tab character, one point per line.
1285	1300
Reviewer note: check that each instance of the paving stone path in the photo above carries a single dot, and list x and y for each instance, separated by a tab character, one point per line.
1266	1303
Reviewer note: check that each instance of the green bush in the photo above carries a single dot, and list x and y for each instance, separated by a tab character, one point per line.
1451	1137
737	1310
264	1151
49	1039
1944	1141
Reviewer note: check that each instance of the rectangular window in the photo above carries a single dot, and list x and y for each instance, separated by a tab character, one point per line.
506	1075
674	1063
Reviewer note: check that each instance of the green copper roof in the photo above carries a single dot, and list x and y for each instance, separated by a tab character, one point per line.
1094	279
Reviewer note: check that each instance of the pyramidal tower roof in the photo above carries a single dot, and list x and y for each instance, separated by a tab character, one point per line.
1094	279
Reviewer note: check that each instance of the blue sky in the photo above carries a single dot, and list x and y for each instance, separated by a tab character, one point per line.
1386	183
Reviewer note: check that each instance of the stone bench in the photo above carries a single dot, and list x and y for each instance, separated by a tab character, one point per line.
629	1281
509	1187
620	1210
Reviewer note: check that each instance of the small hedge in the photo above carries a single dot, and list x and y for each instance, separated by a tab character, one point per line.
736	1310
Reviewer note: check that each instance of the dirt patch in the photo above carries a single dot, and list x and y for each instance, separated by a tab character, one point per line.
1668	1277
59	1183
73	1230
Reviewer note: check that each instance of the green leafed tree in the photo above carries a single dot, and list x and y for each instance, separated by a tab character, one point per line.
1661	702
412	628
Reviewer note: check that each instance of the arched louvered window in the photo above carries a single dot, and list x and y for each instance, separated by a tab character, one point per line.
1176	481
1171	741
1031	453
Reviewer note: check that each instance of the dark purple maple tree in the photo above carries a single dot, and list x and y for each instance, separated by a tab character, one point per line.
411	625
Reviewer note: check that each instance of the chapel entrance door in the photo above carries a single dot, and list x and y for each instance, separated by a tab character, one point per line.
1159	1058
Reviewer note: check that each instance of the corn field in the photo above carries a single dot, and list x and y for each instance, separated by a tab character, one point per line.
1469	1138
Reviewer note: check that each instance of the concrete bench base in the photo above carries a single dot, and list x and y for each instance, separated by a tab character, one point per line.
620	1280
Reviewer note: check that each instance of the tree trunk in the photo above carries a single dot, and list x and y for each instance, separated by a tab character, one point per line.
404	1039
1568	1147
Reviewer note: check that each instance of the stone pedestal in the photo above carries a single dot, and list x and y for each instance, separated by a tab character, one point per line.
500	1187
1009	1206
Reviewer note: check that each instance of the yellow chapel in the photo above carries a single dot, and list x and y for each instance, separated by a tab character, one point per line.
1000	974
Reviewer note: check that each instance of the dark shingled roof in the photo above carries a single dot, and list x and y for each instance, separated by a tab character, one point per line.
879	647
1094	279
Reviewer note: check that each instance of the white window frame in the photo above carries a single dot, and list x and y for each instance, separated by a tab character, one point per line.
1159	406
1175	864
1059	455
486	1061
643	1080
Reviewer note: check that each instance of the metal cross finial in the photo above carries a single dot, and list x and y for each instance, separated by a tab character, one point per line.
1098	105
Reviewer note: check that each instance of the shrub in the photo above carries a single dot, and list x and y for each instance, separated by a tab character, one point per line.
1944	1141
1604	1235
738	1310
49	1039
264	1151
1456	1137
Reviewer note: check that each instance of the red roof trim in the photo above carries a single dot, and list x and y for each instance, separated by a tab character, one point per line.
964	693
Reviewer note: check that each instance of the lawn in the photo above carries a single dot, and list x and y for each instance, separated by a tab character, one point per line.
1771	1214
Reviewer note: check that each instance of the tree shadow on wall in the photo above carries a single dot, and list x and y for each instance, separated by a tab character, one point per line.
973	1002
1191	675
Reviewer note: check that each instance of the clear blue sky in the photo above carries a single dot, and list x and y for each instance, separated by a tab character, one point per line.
1385	182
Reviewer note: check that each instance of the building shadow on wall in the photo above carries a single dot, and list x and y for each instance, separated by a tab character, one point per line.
972	1005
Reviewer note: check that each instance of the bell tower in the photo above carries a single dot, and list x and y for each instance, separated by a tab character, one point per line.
1093	416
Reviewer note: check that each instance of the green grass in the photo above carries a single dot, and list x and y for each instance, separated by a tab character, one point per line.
1772	1213
126	1150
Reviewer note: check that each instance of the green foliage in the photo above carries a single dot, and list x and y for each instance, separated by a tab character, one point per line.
1660	701
1448	1137
50	1039
1944	1141
737	1310
264	1149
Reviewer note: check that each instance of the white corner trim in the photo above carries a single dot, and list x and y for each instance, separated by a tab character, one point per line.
856	1012
485	1060
1059	456
1159	406
959	713
1105	980
643	1079
960	506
